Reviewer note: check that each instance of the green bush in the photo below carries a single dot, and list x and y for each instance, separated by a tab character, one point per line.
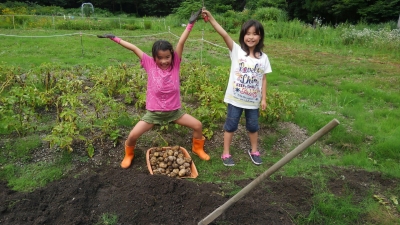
147	25
232	21
270	13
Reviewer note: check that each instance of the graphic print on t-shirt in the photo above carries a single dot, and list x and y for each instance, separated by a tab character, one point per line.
247	85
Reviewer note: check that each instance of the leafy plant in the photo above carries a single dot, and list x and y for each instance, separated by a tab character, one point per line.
280	106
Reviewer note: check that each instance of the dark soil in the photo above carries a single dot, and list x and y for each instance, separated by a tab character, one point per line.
94	191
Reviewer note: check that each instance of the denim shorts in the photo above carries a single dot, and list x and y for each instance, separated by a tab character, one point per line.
233	117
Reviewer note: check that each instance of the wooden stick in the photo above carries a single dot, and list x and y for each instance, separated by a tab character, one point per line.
311	140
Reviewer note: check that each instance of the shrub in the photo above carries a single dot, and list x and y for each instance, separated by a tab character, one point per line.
270	13
147	25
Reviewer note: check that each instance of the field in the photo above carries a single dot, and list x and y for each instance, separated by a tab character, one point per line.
350	176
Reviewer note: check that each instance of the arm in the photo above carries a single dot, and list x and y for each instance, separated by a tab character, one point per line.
132	47
123	43
182	40
185	34
264	92
228	40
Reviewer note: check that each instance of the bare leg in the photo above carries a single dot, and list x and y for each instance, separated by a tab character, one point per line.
140	128
198	139
228	136
253	141
191	122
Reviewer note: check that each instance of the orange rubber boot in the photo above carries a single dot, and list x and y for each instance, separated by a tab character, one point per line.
198	149
129	154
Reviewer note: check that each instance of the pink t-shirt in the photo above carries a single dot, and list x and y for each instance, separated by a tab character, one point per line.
163	86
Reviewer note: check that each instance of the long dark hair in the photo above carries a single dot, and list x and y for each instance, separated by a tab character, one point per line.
259	30
162	45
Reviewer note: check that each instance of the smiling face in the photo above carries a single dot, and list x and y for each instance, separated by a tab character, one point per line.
163	54
251	38
163	59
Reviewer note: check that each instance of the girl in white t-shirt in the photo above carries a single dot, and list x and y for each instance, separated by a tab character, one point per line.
163	101
247	86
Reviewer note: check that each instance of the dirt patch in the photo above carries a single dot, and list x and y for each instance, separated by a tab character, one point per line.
99	187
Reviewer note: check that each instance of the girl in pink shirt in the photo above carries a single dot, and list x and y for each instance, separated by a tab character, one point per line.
163	101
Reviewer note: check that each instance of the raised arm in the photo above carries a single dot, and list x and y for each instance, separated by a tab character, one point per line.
228	40
123	43
181	43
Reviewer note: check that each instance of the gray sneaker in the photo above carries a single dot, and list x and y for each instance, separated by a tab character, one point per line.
227	160
255	157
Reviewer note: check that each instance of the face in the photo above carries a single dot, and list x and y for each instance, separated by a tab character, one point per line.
164	59
251	38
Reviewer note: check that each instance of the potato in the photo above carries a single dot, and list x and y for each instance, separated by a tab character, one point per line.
182	172
188	172
171	158
180	161
175	148
188	160
169	161
170	152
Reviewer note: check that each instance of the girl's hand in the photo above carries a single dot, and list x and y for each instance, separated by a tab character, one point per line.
263	104
206	15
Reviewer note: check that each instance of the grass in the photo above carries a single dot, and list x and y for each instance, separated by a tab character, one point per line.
31	176
108	219
356	84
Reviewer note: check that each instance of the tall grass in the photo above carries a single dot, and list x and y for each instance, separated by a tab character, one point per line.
343	36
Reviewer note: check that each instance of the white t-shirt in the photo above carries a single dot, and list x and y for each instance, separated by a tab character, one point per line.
245	80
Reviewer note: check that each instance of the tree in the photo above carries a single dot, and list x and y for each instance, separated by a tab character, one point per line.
345	10
296	9
255	4
380	11
158	7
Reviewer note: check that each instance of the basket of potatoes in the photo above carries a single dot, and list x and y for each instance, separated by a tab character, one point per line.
173	161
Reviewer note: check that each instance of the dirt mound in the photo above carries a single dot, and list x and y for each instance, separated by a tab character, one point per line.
140	198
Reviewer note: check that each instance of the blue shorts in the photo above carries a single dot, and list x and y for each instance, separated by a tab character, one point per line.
233	117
